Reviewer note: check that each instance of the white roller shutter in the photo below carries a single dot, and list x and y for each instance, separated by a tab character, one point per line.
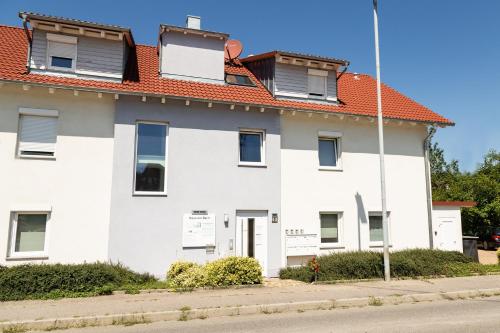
63	50
38	135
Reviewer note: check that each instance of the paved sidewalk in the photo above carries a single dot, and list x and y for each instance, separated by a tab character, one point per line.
204	299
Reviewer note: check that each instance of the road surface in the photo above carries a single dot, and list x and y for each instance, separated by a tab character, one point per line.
471	315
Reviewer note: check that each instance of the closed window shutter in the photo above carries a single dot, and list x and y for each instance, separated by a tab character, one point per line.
38	135
317	85
63	50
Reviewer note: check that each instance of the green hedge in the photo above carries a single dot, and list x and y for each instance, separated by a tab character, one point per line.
369	265
222	272
57	280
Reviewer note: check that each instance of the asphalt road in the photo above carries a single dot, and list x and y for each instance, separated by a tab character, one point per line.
472	315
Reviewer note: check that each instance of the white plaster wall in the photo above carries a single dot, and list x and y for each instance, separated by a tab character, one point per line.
449	213
192	57
354	191
77	184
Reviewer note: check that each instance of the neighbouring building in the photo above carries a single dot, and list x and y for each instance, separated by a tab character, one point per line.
150	154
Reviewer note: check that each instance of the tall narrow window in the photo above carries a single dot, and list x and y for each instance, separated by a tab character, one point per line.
37	135
151	158
29	234
251	147
329	228
327	150
376	228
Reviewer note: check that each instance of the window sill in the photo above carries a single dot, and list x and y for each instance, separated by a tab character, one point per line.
149	194
36	157
331	246
378	245
252	165
27	257
326	168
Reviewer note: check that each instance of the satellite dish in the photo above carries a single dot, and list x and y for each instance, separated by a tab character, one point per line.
232	49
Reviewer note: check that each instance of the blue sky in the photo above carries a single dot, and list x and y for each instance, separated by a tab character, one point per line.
445	54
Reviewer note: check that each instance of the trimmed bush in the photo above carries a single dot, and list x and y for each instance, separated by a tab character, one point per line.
179	267
498	255
223	272
233	271
299	273
193	277
57	280
369	265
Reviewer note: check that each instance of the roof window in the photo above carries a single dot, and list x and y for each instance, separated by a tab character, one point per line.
241	80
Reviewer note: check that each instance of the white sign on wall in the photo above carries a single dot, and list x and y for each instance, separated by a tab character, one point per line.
302	245
198	230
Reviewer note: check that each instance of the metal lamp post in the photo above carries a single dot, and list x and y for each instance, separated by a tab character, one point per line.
387	270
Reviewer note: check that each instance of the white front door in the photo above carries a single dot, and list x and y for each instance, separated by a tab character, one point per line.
251	236
446	233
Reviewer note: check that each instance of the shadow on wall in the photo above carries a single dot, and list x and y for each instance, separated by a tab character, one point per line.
362	218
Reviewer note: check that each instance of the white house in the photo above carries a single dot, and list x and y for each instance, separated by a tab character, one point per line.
151	154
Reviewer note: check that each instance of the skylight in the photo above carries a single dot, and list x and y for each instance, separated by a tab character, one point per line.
241	80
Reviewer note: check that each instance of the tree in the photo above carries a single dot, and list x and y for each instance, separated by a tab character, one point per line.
481	186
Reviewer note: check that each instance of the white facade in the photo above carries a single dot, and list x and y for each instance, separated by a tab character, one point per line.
447	228
352	189
73	187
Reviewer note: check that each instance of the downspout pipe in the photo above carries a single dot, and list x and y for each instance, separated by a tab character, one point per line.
428	186
24	17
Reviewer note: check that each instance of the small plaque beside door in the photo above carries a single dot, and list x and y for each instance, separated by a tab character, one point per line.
274	218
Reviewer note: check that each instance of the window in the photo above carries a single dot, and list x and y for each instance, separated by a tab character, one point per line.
329	228
251	147
37	133
61	52
327	150
151	158
317	83
29	233
241	80
376	228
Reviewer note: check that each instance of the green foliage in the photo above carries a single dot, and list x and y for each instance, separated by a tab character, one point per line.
223	272
498	255
193	277
234	271
481	186
350	265
299	273
55	281
369	265
179	267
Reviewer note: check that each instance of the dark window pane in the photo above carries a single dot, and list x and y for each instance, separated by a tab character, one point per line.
329	228
61	62
150	159
239	80
327	150
250	144
376	234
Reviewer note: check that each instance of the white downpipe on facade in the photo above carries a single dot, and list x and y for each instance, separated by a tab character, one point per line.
387	271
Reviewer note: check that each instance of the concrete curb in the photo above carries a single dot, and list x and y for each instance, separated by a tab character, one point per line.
203	313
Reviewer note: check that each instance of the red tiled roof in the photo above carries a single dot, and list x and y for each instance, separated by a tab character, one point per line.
357	92
467	204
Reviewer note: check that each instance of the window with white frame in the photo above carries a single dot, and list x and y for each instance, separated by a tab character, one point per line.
329	228
251	149
29	234
150	158
61	52
329	150
317	83
37	133
376	228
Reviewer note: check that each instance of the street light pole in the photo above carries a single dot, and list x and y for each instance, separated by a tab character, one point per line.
387	269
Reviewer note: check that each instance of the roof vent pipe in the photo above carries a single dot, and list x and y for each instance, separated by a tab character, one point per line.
193	22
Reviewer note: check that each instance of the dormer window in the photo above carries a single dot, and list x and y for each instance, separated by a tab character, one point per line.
61	52
317	83
241	80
